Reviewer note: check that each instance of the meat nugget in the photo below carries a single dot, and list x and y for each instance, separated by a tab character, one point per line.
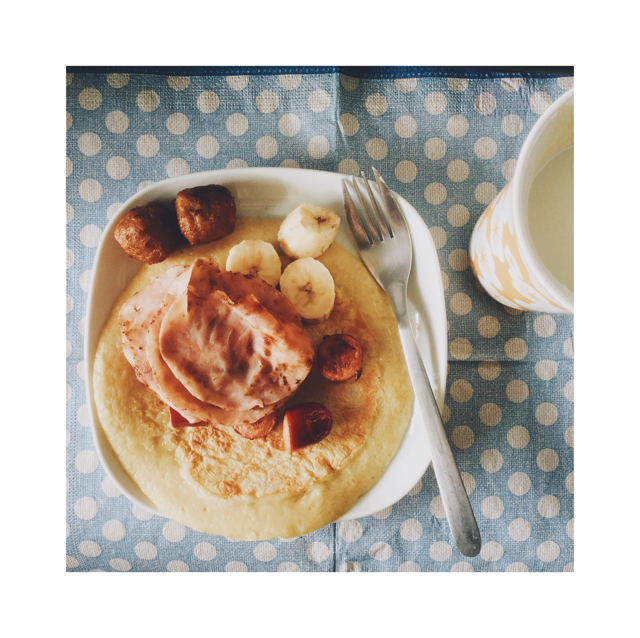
148	233
205	213
340	358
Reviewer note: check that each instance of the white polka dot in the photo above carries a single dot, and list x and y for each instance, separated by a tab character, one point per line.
568	390
318	147
113	209
517	567
440	551
83	415
539	102
544	325
568	348
520	529
117	122
68	530
511	84
90	548
238	82
406	85
490	414
461	348
376	148
113	530
90	235
141	513
236	566
435	148
461	391
85	508
518	437
118	80
148	145
519	483
380	551
110	488
469	482
492	507
349	124
462	437
205	551
290	82
319	101
485	103
546	369
485	148
457	84
548	551
69	349
512	125
177	566
237	163
177	166
87	461
81	331
409	566
568	567
435	103
349	167
69	78
318	552
411	529
289	163
489	370
148	101
90	99
517	391
547	413
565	83
69	393
376	104
382	514
488	327
118	167
415	489
406	126
462	567
548	506
491	460
265	552
457	125
350	567
350	531
349	83
445	280
569	529
289	124
237	124
458	215
569	482
89	144
267	101
436	507
516	348
267	147
146	550
406	171
178	83
509	168
458	170
69	120
548	460
208	102
69	167
144	184
70	213
72	562
485	192
435	193
69	303
491	551
173	532
288	567
178	123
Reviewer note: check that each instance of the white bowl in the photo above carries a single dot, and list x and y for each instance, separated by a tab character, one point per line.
273	193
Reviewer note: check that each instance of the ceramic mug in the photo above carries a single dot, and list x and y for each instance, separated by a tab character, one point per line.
521	248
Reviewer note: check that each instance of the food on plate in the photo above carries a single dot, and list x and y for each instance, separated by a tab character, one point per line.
210	473
205	213
304	425
339	358
309	286
148	233
308	231
257	258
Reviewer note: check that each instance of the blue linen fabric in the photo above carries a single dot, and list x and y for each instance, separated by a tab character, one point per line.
447	145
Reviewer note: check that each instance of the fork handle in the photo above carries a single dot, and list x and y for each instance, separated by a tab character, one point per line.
462	522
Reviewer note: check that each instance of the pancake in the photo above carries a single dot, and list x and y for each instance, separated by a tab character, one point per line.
214	480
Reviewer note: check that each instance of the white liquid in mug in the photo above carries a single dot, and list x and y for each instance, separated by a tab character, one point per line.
550	216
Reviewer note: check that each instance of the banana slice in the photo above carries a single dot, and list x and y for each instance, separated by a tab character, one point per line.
309	286
308	231
255	257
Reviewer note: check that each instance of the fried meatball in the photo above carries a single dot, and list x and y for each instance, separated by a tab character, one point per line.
205	213
148	233
340	358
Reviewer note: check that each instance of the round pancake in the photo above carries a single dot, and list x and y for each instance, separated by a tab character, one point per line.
214	480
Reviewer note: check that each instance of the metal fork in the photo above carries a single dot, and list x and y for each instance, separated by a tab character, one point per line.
384	244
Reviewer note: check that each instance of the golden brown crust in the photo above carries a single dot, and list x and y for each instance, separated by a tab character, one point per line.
148	233
205	213
340	358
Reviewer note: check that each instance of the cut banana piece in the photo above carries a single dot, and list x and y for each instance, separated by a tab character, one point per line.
308	231
255	257
309	286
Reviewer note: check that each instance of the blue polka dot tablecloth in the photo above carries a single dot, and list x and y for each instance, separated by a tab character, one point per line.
447	141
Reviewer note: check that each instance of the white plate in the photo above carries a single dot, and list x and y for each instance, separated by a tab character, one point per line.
273	193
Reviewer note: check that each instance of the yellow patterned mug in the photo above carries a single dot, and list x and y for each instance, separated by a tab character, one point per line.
521	248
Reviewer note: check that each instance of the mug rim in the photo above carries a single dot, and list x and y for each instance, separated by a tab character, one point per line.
533	258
